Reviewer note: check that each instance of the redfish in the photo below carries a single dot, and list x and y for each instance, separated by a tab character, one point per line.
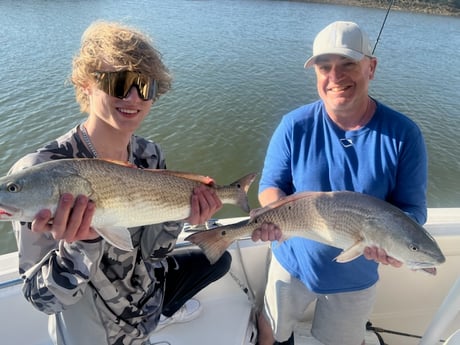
125	196
347	220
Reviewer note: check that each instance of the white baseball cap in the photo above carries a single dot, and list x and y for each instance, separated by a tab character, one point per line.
341	38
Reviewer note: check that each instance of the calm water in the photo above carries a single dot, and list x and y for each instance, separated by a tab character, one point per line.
238	67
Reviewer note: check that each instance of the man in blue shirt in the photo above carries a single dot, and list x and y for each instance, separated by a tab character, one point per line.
345	141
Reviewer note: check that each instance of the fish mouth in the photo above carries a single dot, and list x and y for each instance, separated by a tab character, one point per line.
7	212
427	267
430	270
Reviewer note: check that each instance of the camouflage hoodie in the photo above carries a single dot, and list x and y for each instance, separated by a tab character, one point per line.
94	292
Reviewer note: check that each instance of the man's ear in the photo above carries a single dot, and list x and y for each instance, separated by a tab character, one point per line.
372	67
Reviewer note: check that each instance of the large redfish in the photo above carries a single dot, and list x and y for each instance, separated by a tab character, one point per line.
347	220
125	196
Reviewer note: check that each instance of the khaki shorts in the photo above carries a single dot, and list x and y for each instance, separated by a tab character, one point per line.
339	319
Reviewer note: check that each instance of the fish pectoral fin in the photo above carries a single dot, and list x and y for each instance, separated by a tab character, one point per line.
119	237
351	253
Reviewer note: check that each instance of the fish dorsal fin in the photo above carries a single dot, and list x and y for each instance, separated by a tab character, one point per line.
351	253
278	203
257	212
290	198
191	176
122	163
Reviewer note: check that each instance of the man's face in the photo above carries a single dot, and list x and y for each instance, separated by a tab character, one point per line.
342	82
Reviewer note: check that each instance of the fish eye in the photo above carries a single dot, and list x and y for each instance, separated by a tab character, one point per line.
413	247
13	187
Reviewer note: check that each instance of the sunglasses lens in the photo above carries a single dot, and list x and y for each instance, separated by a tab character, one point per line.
146	87
118	84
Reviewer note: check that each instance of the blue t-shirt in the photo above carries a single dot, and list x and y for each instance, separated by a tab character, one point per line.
309	152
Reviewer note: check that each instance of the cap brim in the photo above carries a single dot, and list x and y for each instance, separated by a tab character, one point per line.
340	51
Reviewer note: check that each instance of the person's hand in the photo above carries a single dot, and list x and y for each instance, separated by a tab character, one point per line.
267	232
71	222
204	203
380	256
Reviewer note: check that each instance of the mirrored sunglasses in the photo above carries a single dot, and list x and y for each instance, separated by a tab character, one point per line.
118	84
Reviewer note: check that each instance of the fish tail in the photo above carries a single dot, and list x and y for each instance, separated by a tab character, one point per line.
243	185
213	242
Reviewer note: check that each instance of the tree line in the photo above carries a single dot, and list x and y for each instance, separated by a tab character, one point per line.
440	7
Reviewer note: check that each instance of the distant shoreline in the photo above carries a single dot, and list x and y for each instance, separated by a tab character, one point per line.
401	5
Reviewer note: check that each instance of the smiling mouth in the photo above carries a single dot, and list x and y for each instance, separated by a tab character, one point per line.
339	89
128	111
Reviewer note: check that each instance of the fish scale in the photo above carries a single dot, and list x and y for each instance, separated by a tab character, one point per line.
328	224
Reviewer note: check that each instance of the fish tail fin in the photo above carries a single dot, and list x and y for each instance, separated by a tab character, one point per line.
213	243
243	185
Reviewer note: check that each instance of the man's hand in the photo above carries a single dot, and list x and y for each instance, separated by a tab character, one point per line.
71	222
267	232
380	256
204	203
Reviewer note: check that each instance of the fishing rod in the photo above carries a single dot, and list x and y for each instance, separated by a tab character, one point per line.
378	330
383	24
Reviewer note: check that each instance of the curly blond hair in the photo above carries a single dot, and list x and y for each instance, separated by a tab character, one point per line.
120	47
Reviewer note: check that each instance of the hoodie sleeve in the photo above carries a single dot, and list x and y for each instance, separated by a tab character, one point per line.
55	273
